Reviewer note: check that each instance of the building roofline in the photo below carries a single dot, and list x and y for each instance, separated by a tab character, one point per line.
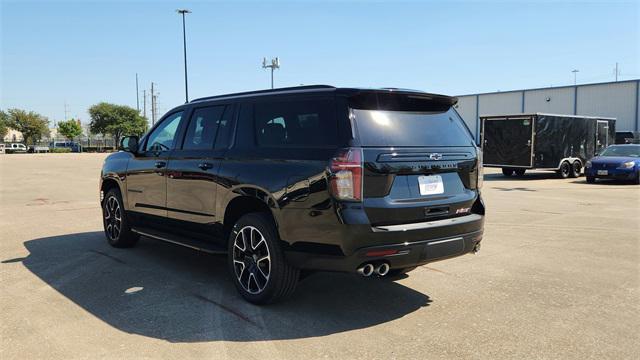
549	88
548	114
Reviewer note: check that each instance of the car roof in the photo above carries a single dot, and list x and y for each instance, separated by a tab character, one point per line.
324	89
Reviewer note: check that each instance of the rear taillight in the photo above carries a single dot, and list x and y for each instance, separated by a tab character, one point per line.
346	175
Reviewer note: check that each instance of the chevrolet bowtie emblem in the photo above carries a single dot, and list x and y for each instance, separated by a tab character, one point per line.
435	156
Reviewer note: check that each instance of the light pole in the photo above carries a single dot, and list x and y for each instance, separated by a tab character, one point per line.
184	43
137	95
275	64
575	76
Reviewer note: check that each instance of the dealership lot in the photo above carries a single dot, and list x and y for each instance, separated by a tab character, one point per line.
558	276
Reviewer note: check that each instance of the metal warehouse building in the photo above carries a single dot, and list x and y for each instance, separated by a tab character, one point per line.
619	100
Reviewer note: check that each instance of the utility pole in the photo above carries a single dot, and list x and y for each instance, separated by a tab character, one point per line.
275	64
184	45
144	103
575	76
153	106
137	95
66	114
617	72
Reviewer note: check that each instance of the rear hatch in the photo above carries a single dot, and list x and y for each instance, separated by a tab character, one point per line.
419	158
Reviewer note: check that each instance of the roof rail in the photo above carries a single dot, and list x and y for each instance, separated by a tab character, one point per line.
292	89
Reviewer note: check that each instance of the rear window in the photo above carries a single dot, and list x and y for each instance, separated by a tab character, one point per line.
408	128
303	123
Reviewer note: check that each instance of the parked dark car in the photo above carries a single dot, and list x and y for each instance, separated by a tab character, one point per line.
621	162
627	137
373	182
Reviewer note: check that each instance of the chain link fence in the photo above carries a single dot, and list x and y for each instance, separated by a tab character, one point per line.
81	144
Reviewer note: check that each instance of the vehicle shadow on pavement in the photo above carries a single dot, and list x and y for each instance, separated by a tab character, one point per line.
168	292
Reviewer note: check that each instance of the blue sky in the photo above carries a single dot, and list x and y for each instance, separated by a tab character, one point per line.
84	52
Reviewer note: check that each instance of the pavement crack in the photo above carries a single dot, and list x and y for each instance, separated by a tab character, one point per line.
229	310
434	269
108	256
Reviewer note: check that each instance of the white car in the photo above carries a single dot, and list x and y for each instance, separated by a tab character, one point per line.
15	148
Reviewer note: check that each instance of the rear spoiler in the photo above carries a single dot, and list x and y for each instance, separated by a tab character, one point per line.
400	100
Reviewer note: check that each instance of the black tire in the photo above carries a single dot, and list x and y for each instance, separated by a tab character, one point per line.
393	273
576	168
591	179
246	264
507	172
115	223
520	172
565	170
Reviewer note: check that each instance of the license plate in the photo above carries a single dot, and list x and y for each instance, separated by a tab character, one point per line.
430	185
603	172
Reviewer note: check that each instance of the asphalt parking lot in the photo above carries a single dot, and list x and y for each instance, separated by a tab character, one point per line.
558	276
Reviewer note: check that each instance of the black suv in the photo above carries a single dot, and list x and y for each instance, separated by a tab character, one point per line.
373	182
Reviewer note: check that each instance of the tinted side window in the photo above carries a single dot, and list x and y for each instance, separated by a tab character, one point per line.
202	128
161	138
223	139
303	123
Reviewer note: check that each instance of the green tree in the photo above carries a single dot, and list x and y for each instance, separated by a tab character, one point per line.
70	129
116	120
32	125
4	129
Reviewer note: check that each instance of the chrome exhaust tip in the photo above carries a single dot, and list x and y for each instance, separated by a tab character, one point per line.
476	248
365	270
382	269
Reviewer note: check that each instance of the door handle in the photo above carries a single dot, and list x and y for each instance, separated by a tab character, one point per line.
160	164
205	166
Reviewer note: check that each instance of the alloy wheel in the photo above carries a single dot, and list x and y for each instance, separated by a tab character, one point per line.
251	259
112	218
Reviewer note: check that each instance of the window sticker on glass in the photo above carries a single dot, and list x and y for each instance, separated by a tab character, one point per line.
430	185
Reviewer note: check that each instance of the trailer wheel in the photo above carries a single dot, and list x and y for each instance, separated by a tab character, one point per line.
507	171
565	170
576	167
520	172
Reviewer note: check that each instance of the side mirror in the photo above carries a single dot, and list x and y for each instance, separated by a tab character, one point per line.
129	144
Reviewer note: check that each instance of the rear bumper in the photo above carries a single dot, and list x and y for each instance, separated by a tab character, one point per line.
342	238
399	255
